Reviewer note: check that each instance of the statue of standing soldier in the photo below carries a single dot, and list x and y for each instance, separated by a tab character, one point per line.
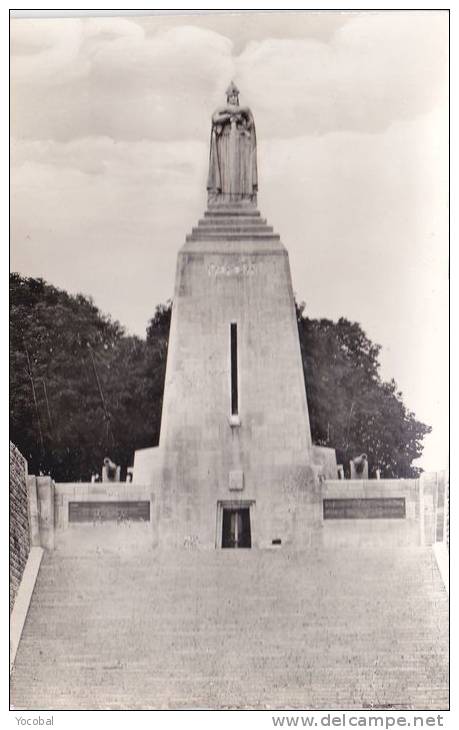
233	154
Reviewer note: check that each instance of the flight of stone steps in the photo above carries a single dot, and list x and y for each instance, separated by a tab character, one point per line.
135	628
232	224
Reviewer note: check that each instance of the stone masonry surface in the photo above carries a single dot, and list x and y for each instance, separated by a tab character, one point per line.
129	627
19	520
233	284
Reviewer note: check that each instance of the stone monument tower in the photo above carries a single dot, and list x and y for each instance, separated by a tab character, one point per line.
234	466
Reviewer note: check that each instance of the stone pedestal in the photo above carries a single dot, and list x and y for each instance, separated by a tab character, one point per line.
234	270
107	477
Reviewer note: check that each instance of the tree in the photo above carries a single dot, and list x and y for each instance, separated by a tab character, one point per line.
82	389
351	409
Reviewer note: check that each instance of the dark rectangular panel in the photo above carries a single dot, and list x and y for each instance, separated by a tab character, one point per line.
364	508
234	384
245	537
109	511
227	535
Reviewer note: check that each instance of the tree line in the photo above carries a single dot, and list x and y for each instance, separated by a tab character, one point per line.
82	389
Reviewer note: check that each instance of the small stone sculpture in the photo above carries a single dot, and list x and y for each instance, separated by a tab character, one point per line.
359	467
110	471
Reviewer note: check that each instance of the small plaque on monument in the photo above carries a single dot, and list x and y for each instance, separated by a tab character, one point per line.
236	480
104	511
364	508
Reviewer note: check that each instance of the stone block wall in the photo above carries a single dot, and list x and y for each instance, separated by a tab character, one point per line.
326	457
413	530
433	491
19	520
264	445
65	492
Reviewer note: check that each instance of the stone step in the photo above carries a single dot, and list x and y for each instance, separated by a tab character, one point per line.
211	229
128	627
247	236
230	221
236	212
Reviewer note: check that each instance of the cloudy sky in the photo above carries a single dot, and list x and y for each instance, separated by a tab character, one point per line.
110	130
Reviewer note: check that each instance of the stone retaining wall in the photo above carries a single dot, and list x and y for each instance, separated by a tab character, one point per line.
376	532
19	520
101	492
424	503
409	512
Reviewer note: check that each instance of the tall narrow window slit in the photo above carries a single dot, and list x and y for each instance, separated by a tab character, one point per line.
234	385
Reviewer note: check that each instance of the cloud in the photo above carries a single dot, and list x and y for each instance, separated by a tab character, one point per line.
109	77
376	69
241	27
105	156
86	206
44	52
114	80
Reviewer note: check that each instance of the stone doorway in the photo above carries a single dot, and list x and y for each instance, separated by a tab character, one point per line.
234	525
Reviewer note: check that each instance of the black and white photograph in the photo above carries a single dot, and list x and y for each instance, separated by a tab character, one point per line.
229	361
